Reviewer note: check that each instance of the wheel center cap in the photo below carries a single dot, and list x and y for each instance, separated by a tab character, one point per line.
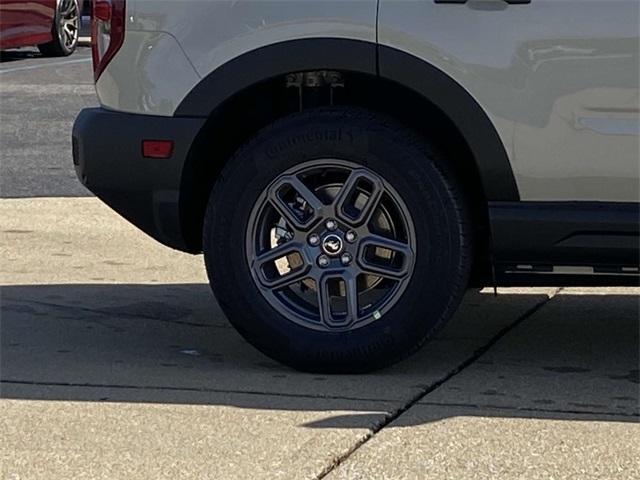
332	245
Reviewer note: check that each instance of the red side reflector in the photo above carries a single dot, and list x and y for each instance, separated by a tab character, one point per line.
157	148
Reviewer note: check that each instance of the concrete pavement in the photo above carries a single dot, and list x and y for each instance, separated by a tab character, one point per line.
39	100
556	398
116	362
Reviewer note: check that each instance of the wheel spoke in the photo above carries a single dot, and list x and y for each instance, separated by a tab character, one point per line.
324	301
309	207
69	7
327	315
396	270
351	294
346	207
267	259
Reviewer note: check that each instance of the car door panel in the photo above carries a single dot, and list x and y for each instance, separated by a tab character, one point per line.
25	22
559	80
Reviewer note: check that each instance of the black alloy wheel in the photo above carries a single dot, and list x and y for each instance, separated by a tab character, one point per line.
330	245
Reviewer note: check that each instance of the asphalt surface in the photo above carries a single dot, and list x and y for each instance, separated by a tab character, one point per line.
116	361
39	99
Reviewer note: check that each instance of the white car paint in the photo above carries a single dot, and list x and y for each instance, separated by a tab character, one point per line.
558	78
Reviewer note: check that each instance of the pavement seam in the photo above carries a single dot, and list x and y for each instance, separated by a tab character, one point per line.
393	416
190	389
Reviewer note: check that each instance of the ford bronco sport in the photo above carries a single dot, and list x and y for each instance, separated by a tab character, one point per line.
350	168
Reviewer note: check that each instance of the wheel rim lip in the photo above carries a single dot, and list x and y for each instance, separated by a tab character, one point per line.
390	298
72	17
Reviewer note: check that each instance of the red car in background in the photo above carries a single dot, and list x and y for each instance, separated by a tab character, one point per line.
52	25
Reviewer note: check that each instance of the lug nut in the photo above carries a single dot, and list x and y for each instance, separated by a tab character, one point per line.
346	258
323	261
331	225
314	240
350	236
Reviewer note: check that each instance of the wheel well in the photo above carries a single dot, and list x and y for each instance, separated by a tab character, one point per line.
243	115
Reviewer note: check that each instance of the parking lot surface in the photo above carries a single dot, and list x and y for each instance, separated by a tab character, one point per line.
116	361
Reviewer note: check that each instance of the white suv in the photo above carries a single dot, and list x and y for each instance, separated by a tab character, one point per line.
349	168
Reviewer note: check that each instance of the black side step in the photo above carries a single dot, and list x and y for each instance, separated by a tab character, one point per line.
566	243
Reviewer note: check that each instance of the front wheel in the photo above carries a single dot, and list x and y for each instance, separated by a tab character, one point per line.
336	240
65	30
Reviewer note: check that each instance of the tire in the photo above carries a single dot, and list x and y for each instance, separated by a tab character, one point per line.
419	189
65	30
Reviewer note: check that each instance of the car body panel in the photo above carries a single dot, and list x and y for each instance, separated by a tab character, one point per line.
213	32
559	80
25	22
544	94
145	88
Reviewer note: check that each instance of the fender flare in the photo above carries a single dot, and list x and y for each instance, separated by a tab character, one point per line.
385	62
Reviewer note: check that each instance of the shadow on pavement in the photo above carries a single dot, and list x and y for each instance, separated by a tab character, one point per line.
575	358
17	55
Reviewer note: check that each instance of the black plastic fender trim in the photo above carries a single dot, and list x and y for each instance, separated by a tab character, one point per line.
365	57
